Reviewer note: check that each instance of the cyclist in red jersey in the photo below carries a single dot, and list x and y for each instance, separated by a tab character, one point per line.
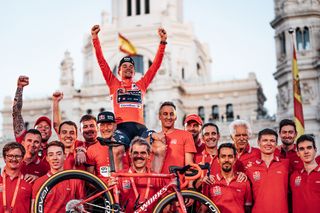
127	95
135	191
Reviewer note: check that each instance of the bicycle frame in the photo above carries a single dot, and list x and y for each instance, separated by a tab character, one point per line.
174	184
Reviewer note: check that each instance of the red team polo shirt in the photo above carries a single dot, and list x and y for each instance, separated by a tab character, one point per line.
306	191
127	193
23	200
204	157
37	167
60	195
178	143
229	197
247	157
127	96
296	163
269	185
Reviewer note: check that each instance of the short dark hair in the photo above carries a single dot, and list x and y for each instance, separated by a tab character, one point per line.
55	143
306	137
70	123
227	145
267	131
87	118
140	141
167	103
13	145
210	124
287	122
33	132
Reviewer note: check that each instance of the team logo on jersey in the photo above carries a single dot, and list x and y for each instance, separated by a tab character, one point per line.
105	171
174	141
216	190
297	181
256	175
126	184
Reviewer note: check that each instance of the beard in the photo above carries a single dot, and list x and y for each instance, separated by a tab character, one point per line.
227	169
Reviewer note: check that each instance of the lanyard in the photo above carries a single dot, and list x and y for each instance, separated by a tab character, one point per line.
4	194
135	187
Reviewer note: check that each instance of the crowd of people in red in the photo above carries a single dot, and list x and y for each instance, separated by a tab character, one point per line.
271	178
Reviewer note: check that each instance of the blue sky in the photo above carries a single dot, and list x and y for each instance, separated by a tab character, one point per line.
36	33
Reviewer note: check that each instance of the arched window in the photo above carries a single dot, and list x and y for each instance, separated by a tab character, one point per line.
138	7
229	112
102	109
306	38
282	38
182	73
147	6
26	125
115	70
215	112
138	63
201	112
89	111
144	112
299	39
129	8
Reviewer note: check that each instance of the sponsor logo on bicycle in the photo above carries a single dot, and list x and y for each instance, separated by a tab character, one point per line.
42	197
155	197
211	207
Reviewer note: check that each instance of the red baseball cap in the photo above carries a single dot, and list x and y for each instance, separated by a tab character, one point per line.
193	117
43	118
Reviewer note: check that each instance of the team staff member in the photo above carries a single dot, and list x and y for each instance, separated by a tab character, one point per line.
42	124
138	190
227	193
15	193
269	176
240	132
210	136
65	191
305	184
127	95
193	124
32	167
180	148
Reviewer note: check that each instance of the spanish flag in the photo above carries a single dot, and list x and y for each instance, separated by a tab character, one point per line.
126	46
297	101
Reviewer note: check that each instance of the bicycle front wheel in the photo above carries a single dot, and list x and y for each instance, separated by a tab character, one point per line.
195	203
52	196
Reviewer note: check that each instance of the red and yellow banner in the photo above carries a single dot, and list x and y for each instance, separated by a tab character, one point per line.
297	101
126	46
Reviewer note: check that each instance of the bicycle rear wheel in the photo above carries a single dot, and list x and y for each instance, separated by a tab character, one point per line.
88	184
200	203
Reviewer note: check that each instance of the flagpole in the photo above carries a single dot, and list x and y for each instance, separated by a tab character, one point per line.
297	100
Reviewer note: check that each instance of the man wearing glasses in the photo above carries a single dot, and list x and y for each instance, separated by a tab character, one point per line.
15	193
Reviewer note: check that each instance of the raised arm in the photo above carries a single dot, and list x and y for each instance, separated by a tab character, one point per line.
56	98
106	71
18	123
148	77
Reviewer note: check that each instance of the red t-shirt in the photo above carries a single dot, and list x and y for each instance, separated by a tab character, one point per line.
98	156
23	200
247	157
269	185
178	143
296	163
229	197
127	194
127	97
60	195
36	167
305	191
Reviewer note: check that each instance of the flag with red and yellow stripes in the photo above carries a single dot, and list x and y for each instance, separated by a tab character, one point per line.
297	101
126	46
